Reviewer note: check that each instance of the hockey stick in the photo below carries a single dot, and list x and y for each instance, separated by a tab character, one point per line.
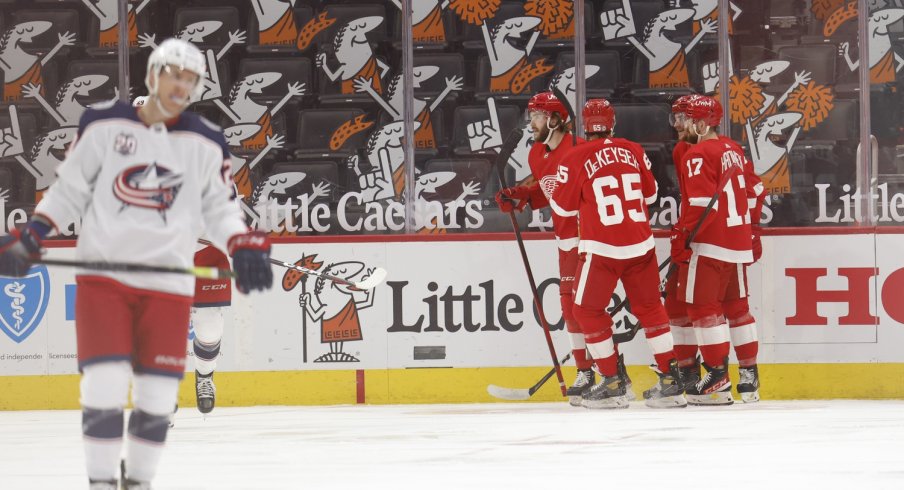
523	393
507	148
564	100
199	272
375	278
619	338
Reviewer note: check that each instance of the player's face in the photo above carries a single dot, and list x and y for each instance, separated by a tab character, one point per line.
679	123
539	125
174	87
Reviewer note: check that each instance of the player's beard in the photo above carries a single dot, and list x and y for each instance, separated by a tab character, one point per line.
691	138
541	134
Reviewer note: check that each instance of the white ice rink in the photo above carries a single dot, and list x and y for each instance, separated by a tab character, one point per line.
770	445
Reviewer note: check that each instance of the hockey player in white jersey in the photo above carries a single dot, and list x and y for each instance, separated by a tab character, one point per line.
146	183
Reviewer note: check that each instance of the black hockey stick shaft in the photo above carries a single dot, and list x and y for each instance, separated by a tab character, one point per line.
539	384
507	148
559	95
200	272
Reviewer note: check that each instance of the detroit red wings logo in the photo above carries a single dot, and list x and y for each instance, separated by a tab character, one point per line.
147	186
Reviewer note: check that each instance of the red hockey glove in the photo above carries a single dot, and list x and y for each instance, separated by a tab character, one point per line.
251	261
757	244
513	198
21	247
680	252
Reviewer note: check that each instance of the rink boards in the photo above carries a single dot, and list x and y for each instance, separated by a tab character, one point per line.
455	314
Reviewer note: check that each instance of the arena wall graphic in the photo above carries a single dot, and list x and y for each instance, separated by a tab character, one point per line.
456	314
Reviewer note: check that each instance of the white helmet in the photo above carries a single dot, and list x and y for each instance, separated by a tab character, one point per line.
178	53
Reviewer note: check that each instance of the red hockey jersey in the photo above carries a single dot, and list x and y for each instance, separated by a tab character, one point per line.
544	165
609	182
725	234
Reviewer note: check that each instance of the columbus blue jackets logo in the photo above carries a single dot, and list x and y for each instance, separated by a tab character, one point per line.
23	302
147	186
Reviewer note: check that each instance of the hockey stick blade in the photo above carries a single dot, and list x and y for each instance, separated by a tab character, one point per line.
524	393
514	394
376	277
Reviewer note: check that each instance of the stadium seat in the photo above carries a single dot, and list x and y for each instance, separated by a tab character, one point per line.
545	43
62	20
818	59
293	70
316	127
108	68
449	21
477	170
93	46
316	172
509	117
472	35
227	16
482	86
303	15
644	123
604	82
643	11
835	129
347	12
449	64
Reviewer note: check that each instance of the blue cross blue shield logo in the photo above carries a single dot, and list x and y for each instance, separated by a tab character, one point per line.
23	301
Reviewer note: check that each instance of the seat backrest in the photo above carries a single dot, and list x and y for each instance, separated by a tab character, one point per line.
510	116
840	125
62	21
107	68
606	62
316	173
643	123
449	64
188	17
818	59
293	70
473	34
28	127
344	13
317	126
484	77
302	13
643	11
468	170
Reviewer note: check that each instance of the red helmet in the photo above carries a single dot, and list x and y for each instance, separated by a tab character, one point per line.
681	103
706	109
599	116
547	103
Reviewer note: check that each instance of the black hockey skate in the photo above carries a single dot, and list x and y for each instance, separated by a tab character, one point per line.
205	392
623	374
714	388
586	378
668	392
690	375
749	384
608	393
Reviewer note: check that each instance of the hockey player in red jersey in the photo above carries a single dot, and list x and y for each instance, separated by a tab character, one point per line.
608	183
742	326
552	139
711	272
145	182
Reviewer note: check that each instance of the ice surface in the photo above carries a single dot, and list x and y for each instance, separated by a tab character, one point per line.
772	445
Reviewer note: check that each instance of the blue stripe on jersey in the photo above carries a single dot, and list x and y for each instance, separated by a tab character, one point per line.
188	121
107	110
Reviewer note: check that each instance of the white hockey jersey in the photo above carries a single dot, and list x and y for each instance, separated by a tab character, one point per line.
145	194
